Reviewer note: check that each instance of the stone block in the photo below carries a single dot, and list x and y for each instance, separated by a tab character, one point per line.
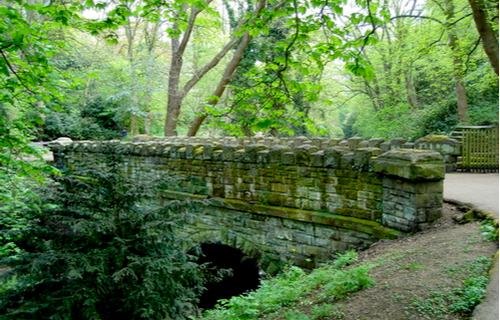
278	187
251	152
263	157
443	144
353	142
275	153
317	159
362	157
333	142
288	159
397	143
347	161
239	155
303	154
363	144
411	164
314	250
408	145
385	146
302	238
375	142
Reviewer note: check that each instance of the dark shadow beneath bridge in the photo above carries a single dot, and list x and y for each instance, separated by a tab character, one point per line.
239	273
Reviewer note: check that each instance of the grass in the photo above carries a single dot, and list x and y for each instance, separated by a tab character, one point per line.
332	282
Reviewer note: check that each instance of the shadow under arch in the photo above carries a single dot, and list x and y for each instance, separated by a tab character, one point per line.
229	272
252	259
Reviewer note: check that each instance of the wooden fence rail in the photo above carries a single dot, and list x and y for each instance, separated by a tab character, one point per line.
479	149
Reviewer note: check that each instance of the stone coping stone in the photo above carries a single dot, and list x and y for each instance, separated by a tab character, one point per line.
367	226
411	164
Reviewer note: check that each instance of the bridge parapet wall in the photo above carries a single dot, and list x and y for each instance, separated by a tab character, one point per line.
401	188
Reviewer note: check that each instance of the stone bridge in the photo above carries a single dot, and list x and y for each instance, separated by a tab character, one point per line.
295	201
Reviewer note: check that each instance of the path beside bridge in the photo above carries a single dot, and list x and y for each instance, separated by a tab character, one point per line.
481	191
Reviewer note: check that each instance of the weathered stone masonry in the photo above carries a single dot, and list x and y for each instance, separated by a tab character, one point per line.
293	200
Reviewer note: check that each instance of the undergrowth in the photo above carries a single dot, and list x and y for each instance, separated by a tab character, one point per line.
489	231
332	282
460	300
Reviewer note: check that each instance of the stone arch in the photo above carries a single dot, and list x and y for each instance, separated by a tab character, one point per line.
268	262
244	261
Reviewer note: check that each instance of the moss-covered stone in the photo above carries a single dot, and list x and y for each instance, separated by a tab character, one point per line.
411	164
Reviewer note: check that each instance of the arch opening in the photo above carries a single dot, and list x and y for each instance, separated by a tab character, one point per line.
229	272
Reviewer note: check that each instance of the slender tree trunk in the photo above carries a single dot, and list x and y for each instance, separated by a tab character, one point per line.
410	91
226	78
130	32
486	32
175	94
462	106
148	94
458	66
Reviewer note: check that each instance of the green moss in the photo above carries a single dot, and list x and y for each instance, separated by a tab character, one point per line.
435	138
326	218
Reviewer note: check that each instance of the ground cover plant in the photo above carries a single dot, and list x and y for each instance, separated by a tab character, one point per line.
99	248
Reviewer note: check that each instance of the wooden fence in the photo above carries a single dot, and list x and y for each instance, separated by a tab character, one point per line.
479	148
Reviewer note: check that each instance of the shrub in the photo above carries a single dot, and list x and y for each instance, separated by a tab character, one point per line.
100	248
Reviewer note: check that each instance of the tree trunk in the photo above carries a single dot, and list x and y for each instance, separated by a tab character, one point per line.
130	32
150	39
175	95
458	66
462	106
228	73
486	32
226	78
410	91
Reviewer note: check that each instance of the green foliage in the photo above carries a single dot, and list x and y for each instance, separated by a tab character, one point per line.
75	127
101	247
17	195
489	230
291	287
437	119
327	311
322	312
412	92
391	122
20	172
483	101
460	300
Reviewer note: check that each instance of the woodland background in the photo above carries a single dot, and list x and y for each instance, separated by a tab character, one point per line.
390	68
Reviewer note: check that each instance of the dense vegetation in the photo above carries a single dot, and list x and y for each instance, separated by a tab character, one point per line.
389	69
98	247
89	70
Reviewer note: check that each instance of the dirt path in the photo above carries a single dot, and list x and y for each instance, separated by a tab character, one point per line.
416	274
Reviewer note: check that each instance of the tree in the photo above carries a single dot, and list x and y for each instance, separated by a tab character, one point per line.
423	60
484	25
103	247
28	87
176	94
